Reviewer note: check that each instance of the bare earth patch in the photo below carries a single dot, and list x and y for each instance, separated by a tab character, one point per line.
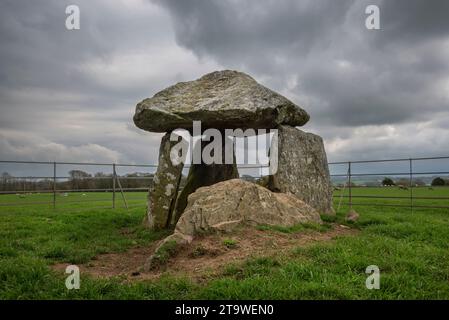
206	256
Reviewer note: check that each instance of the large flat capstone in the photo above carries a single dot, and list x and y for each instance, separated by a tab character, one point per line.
222	100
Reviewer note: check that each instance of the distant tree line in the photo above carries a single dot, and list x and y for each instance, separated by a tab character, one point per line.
438	182
78	180
404	182
388	182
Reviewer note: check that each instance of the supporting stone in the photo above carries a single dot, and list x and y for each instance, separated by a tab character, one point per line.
164	189
201	175
302	168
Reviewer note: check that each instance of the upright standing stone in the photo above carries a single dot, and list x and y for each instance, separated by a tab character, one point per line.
202	175
302	168
164	189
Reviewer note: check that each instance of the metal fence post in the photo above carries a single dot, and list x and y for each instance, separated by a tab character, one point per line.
350	188
411	185
54	185
113	185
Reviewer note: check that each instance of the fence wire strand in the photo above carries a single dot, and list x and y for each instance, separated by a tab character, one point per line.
116	180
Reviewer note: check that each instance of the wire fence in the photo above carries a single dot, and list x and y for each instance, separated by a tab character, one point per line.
66	183
413	183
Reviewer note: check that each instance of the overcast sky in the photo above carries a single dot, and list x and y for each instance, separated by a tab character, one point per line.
70	95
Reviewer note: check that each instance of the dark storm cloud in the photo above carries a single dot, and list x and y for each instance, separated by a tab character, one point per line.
37	50
345	74
410	21
234	30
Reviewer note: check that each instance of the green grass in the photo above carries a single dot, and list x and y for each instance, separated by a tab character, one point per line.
73	200
440	195
410	248
230	243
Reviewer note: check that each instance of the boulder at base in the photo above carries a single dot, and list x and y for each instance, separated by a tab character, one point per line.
302	168
202	175
227	205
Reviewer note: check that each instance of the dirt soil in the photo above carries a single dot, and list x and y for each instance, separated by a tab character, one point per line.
207	255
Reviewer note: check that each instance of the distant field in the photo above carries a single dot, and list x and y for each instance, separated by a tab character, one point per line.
73	200
438	196
410	248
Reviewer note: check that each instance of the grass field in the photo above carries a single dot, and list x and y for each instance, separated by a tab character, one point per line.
436	196
73	200
410	248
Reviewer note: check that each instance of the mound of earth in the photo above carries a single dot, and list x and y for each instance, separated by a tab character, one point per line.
208	256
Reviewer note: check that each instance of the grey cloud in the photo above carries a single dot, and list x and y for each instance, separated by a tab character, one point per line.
413	21
35	148
385	80
246	32
38	51
78	89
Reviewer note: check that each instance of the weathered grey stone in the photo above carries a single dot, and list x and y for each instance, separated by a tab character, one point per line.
222	100
227	205
352	216
201	175
302	168
164	189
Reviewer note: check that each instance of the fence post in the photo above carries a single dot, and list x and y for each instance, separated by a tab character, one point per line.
113	185
349	186
411	185
54	185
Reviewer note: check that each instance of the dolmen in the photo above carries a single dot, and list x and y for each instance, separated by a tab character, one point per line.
230	100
